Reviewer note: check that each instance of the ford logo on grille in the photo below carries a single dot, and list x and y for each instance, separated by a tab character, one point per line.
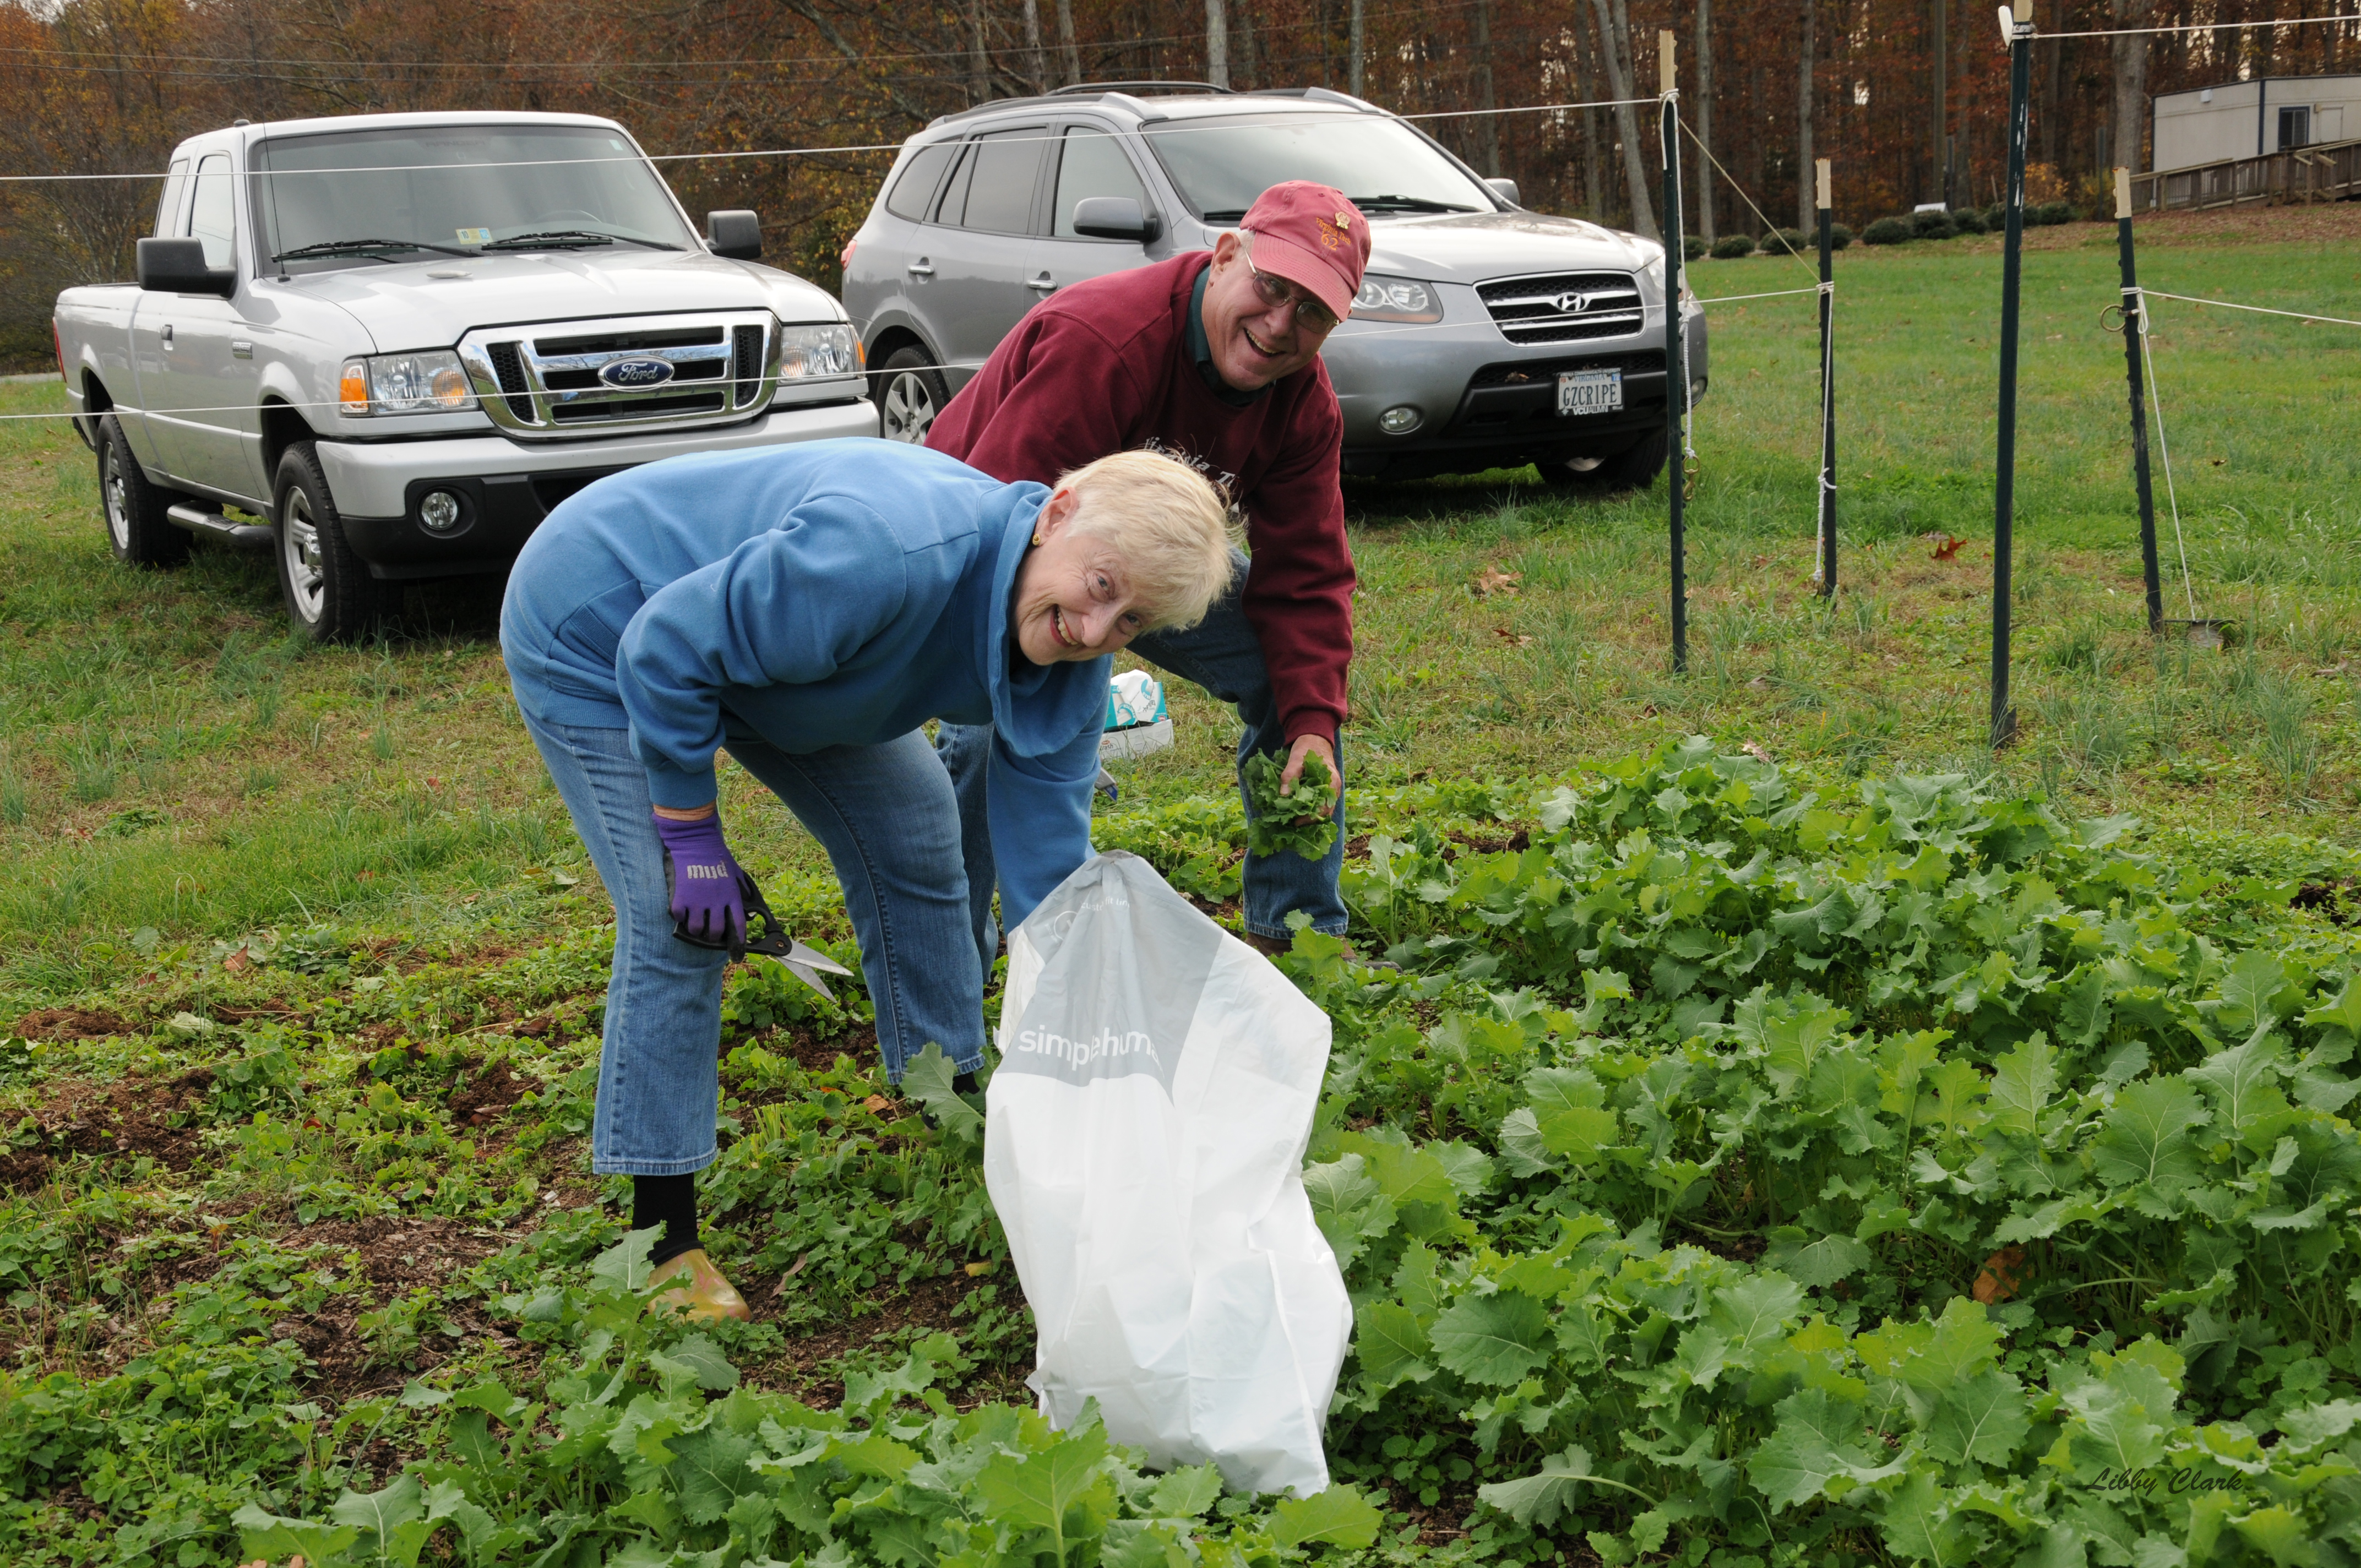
635	373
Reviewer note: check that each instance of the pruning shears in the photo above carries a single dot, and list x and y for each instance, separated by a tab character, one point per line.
807	964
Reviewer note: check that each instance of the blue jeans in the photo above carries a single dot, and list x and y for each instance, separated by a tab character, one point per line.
1222	654
887	819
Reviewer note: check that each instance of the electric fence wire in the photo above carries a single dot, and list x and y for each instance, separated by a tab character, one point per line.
1158	131
2353	18
2258	310
2156	401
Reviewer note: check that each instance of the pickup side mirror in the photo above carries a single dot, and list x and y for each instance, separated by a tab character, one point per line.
178	267
1115	217
735	233
1506	190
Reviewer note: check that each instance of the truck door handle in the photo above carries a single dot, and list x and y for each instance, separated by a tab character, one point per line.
241	348
919	269
165	335
1043	283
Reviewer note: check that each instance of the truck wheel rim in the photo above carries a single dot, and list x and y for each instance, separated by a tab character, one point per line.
118	498
909	408
299	543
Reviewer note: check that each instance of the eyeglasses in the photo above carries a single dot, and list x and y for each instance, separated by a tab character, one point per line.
1310	313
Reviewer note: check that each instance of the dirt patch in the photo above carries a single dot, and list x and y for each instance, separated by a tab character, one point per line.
394	1257
1514	843
930	1305
73	1024
2338	902
489	1094
136	1116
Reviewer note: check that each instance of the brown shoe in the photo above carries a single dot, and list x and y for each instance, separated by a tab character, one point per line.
703	1295
1269	946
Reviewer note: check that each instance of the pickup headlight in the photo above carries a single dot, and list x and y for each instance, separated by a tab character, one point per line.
430	383
1396	299
808	351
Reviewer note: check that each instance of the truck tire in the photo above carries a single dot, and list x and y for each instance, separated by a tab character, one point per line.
330	594
910	394
1633	468
137	528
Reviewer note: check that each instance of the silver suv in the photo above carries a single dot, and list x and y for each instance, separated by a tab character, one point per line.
1485	336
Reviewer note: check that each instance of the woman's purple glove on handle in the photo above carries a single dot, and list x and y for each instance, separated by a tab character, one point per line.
704	897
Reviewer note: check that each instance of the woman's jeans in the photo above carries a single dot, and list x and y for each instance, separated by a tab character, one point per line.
887	819
1222	654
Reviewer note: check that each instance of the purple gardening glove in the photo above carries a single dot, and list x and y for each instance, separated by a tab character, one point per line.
705	898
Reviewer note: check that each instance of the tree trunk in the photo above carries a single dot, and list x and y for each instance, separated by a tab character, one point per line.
979	57
1360	41
1585	87
1490	134
1247	75
1705	121
2052	108
1066	41
1615	35
1217	44
2131	85
1939	99
1036	65
1804	120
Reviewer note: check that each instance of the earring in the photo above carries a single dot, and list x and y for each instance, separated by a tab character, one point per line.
1036	539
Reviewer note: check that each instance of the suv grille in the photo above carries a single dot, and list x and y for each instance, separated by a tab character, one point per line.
1563	307
687	371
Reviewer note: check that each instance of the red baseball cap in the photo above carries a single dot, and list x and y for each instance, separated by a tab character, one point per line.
1310	234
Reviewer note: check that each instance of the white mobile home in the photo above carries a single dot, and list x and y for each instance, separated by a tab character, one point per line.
2248	119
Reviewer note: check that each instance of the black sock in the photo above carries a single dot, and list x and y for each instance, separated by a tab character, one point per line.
669	1202
963	1083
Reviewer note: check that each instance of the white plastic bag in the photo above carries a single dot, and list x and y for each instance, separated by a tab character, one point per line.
1143	1147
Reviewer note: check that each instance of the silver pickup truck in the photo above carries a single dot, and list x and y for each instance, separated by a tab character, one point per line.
399	340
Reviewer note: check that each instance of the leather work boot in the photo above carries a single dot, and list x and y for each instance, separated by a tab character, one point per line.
1271	946
703	1295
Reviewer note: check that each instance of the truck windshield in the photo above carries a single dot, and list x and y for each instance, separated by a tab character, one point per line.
369	198
1220	166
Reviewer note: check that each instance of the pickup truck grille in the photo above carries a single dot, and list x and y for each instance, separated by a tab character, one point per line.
576	379
1565	307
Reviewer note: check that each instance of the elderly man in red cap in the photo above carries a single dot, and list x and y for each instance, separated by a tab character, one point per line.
1215	356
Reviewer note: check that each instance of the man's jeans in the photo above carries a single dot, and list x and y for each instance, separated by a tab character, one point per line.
1220	653
886	817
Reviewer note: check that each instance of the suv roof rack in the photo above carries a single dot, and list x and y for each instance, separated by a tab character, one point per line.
1079	88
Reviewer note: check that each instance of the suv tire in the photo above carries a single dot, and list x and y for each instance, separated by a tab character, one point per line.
910	395
136	526
1633	468
330	594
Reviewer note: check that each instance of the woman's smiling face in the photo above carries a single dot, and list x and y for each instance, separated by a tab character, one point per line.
1073	601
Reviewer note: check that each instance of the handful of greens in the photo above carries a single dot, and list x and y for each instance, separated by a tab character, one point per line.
1271	823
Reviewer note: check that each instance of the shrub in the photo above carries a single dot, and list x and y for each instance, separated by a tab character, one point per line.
1886	231
1968	221
1778	242
1838	237
2051	213
1691	247
1932	225
1732	247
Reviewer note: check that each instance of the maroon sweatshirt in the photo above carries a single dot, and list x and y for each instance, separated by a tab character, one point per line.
1105	366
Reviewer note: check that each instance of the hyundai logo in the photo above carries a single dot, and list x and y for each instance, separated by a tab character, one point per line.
1572	304
635	373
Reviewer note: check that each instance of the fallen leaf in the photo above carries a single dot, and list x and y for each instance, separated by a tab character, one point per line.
1754	749
877	1104
236	961
1492	580
1504	633
2217	462
2002	1276
977	1270
1948	547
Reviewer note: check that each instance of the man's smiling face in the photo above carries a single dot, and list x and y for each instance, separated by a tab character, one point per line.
1253	343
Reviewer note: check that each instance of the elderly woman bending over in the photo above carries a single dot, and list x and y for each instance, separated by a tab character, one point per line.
808	607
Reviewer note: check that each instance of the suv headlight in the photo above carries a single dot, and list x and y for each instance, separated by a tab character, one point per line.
1396	299
808	351
430	383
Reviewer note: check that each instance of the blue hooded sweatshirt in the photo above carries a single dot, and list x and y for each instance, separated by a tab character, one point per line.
831	593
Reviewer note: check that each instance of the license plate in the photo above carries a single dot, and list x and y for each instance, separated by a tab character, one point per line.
1589	391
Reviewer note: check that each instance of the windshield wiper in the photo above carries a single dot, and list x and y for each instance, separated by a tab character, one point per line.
362	248
571	239
1407	204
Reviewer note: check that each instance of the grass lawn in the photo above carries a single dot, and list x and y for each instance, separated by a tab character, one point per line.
301	966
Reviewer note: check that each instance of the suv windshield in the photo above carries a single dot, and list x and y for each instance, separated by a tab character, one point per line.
1220	166
367	198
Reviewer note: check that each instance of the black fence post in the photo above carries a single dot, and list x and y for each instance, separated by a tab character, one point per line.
2020	75
2135	322
1827	392
1676	380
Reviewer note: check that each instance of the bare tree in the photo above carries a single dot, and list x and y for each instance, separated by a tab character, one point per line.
1484	101
1037	65
1066	41
1939	99
1804	73
1615	37
1217	44
1360	48
979	55
1585	87
1705	120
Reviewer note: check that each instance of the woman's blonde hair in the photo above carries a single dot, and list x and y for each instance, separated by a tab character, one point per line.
1170	523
